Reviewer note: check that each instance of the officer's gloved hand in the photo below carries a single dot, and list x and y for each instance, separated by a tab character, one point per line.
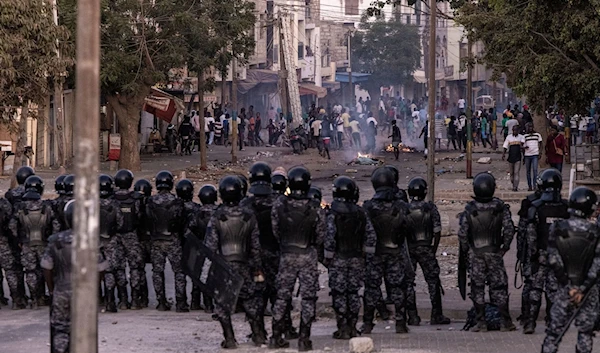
576	295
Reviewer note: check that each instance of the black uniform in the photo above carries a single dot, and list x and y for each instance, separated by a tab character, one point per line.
522	258
111	247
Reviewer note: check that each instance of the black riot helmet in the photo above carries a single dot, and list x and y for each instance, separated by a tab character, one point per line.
279	183
59	184
23	173
34	184
107	186
69	185
394	171
143	186
164	180
383	177
123	179
185	189
344	189
315	193
244	183
208	194
260	179
230	189
484	186
68	213
417	189
549	183
582	202
299	180
356	194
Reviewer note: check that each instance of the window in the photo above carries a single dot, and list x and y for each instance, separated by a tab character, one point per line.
275	53
261	27
307	13
300	50
407	19
352	8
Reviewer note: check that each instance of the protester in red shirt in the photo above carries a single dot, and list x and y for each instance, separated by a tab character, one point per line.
555	149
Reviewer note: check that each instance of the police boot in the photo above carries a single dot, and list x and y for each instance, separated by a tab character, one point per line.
343	332
277	341
111	306
162	303
383	311
525	310
229	342
136	304
304	342
413	318
368	324
481	325
182	305
351	322
195	303
123	302
258	336
437	318
209	307
507	324
289	332
19	303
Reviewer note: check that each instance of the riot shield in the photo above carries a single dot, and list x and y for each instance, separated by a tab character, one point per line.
212	274
462	272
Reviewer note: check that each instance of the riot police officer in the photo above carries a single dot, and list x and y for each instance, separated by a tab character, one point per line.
165	213
523	264
424	228
400	193
14	195
574	256
56	264
279	183
542	213
111	246
387	214
8	260
316	194
486	231
131	207
59	202
185	191
350	236
300	227
233	233
32	224
197	225
142	190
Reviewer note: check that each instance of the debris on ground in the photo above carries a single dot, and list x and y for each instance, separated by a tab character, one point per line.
484	160
365	160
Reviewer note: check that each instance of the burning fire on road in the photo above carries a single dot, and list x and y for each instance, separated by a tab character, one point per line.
402	147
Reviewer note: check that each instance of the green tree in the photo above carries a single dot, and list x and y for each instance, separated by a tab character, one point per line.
28	60
389	50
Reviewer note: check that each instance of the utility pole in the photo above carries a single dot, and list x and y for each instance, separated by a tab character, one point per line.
431	104
290	64
469	110
234	115
58	107
350	85
283	77
200	112
84	305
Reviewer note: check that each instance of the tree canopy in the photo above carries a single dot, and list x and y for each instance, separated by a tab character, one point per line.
389	50
28	51
546	47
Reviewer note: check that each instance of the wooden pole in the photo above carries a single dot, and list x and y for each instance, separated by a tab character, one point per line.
84	307
234	125
431	108
202	147
58	106
469	111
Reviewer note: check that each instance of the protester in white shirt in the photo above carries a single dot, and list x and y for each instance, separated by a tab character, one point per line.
533	144
461	104
209	128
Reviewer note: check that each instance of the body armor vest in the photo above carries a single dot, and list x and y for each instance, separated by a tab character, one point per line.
419	226
62	263
485	229
547	213
108	221
577	250
127	205
235	232
263	217
350	235
297	227
387	225
34	223
143	228
162	220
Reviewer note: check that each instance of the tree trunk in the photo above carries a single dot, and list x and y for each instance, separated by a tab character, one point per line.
128	109
375	95
541	126
21	144
202	147
60	121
